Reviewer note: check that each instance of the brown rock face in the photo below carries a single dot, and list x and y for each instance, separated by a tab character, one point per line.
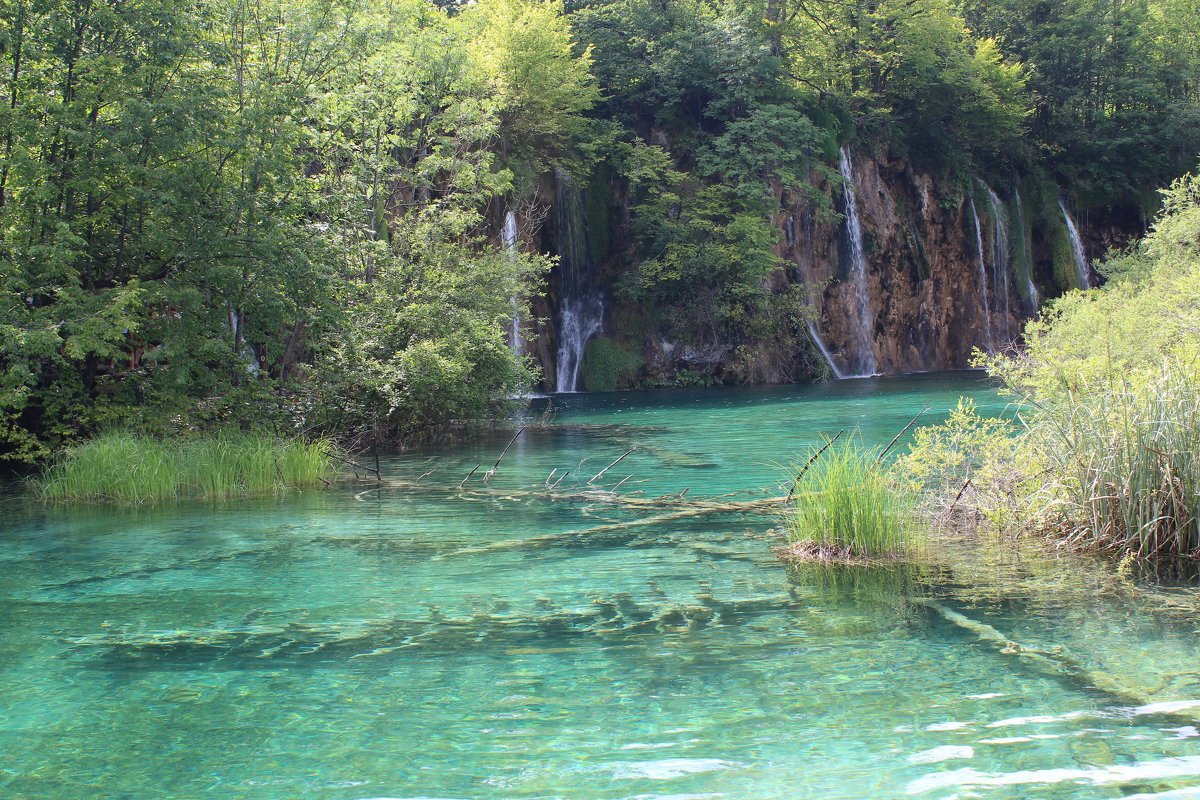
905	272
928	299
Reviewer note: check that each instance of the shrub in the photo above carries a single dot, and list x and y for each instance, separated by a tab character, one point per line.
1122	465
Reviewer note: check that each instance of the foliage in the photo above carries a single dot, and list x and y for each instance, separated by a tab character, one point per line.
249	212
1107	456
1144	317
1106	80
847	508
942	457
222	205
1122	462
526	54
127	468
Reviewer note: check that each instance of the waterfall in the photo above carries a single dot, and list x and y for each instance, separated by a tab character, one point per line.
581	306
863	361
1081	264
1031	293
816	337
508	238
983	280
1001	257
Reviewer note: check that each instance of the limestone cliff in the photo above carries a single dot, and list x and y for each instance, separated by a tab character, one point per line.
905	271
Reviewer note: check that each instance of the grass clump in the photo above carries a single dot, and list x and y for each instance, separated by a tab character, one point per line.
129	468
847	507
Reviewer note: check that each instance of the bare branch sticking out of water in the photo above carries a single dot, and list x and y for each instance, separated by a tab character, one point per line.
354	464
469	474
613	464
903	430
487	476
810	461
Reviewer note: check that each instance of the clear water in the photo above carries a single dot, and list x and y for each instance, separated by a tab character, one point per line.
360	642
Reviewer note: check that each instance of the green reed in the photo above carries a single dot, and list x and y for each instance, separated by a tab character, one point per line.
845	506
1123	465
129	468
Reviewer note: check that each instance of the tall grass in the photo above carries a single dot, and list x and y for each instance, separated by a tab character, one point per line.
1123	465
847	508
129	468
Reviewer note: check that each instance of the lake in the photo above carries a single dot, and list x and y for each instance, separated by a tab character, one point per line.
409	639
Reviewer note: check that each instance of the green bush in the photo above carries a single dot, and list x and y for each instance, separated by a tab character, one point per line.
129	468
1108	457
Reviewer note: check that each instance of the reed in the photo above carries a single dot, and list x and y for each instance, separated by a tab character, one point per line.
128	468
846	508
1123	465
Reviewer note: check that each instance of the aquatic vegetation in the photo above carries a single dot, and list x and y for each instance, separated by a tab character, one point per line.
1122	466
847	507
129	468
1107	455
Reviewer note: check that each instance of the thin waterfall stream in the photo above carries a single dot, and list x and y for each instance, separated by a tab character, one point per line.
1032	300
861	362
983	281
824	350
1081	262
581	303
508	239
1001	257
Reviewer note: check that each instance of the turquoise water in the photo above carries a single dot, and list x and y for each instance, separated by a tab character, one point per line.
370	641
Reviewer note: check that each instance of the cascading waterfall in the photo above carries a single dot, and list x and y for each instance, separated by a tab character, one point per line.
508	238
862	362
983	280
1081	263
1001	258
1026	267
581	305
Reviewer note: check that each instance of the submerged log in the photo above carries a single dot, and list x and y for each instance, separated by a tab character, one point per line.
616	614
1061	663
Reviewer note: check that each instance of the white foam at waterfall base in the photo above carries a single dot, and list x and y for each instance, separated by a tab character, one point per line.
579	320
1081	264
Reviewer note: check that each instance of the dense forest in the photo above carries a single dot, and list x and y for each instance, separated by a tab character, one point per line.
343	219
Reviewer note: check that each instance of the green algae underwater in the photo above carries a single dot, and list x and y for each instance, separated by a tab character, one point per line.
367	641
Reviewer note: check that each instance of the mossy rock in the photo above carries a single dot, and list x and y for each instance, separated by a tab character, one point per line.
608	365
